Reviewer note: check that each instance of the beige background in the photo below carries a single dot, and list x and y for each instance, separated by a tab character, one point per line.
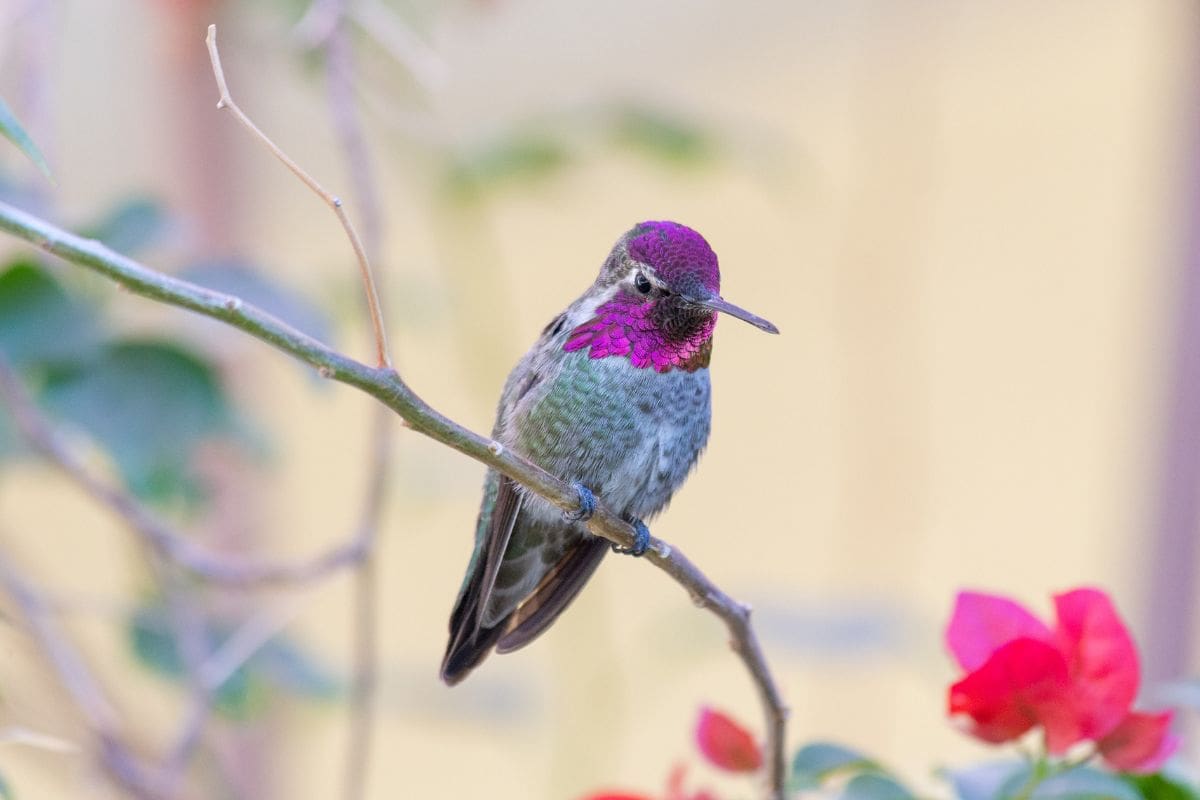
964	217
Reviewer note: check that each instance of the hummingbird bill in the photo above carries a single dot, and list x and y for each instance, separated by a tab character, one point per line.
614	398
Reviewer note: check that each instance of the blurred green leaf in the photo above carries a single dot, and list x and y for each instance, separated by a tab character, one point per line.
986	781
152	642
872	786
6	792
132	225
662	136
518	158
257	288
816	762
1080	783
39	322
1160	786
280	663
291	668
16	134
149	403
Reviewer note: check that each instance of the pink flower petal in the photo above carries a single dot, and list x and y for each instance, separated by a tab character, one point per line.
1012	691
1101	657
1140	743
726	744
982	623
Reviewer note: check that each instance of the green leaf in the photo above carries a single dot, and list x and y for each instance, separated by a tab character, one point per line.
1161	786
987	781
154	645
280	663
13	131
132	225
661	136
1080	783
39	322
520	157
872	786
149	403
6	792
816	762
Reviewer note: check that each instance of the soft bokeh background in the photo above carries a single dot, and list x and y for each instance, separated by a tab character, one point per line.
972	221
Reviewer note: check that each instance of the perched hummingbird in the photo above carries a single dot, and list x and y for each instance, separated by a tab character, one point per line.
614	398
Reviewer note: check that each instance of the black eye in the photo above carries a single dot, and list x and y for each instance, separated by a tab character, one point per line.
641	283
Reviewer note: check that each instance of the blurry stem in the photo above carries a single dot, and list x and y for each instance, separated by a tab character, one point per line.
386	385
339	68
85	691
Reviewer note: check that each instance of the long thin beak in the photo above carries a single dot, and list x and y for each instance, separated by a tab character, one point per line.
718	303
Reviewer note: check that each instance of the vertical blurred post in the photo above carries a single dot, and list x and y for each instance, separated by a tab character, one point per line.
1174	551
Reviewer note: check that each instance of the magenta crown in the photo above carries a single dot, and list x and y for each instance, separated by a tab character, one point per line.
678	254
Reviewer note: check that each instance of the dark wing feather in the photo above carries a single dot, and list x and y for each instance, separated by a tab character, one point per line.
470	642
553	594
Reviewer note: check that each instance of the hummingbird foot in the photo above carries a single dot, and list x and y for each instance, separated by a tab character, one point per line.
641	540
587	505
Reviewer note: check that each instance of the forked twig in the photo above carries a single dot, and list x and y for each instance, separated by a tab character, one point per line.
383	359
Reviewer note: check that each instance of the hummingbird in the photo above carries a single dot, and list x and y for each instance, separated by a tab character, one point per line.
614	398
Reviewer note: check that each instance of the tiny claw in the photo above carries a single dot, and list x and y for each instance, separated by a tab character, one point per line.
587	505
641	540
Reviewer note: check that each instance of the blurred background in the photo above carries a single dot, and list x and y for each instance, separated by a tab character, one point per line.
974	222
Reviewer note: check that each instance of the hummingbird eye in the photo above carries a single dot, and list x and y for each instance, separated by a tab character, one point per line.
641	283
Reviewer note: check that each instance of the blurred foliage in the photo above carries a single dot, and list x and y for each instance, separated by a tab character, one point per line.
1162	786
818	765
815	763
280	664
537	150
39	323
149	403
131	226
16	134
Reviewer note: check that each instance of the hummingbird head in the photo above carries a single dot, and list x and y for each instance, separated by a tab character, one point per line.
657	300
672	267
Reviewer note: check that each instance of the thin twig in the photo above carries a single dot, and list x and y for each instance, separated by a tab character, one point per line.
246	641
226	101
386	385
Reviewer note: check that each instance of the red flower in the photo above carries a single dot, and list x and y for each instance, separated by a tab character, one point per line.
1077	681
1141	743
726	744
